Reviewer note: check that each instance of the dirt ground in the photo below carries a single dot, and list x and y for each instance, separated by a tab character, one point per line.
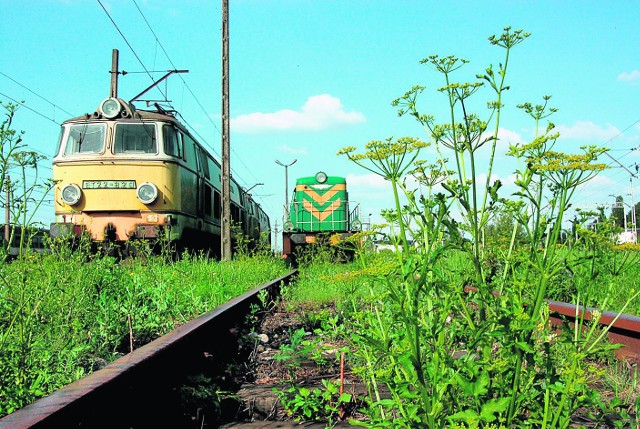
269	373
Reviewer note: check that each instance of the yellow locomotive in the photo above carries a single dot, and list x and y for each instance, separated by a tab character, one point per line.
124	173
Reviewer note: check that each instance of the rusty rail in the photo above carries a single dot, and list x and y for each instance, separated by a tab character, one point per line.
139	389
625	330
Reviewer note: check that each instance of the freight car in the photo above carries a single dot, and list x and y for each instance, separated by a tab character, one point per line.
126	174
319	209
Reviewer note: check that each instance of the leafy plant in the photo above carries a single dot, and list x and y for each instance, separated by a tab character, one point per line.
484	360
318	404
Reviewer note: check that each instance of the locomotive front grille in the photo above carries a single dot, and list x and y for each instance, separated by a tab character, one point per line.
310	219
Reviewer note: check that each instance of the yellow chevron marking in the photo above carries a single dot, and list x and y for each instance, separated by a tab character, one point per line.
321	215
321	199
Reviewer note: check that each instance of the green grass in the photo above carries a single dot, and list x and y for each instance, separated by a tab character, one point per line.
62	316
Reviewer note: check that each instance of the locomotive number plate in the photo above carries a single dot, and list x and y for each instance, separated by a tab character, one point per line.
108	184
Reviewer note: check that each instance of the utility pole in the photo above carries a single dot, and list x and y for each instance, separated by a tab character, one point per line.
225	233
286	186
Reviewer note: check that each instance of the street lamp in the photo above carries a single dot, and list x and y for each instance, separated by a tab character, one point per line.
257	184
286	183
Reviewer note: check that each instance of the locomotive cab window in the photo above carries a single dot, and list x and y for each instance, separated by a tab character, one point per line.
172	141
135	138
85	138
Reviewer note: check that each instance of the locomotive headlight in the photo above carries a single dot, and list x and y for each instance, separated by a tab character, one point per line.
356	225
71	194
110	108
321	177
147	193
288	226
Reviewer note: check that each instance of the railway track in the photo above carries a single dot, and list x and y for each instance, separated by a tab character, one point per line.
624	328
154	385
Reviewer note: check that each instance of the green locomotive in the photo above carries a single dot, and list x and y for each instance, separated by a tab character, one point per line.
320	207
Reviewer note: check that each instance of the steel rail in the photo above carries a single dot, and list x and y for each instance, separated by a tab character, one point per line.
131	391
623	328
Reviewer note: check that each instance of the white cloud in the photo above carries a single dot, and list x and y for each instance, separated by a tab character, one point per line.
508	137
600	181
319	112
508	181
587	131
367	182
632	76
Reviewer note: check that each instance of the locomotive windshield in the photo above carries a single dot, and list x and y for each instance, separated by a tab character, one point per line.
85	138
135	138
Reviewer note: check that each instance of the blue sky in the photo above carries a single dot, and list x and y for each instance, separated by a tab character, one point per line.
309	77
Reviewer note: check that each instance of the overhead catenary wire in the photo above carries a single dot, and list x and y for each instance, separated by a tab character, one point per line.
29	108
186	85
236	175
619	167
36	94
173	65
129	45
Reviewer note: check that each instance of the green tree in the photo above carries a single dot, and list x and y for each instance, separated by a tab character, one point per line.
618	212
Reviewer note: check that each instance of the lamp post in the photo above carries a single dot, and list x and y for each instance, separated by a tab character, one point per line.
257	184
286	184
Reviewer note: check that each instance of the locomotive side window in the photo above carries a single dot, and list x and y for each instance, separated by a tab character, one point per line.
172	141
216	205
190	151
207	200
235	214
204	162
85	138
135	138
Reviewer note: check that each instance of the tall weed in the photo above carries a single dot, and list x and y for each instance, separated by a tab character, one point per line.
485	360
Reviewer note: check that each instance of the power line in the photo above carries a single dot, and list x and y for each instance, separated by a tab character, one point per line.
33	110
130	47
174	66
196	99
619	167
35	93
622	132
